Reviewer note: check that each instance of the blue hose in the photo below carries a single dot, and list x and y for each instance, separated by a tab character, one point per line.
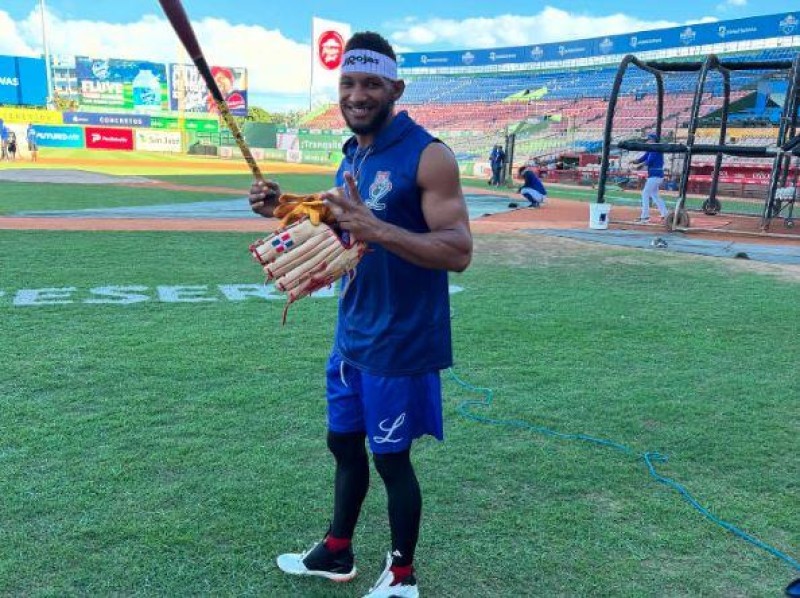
649	458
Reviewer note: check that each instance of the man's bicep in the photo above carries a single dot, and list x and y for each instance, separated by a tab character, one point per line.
443	203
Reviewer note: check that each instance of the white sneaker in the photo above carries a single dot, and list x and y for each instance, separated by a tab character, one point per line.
318	561
383	588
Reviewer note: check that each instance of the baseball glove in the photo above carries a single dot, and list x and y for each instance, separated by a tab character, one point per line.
304	257
292	208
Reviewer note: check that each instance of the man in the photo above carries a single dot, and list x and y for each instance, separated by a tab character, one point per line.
33	146
532	187
3	141
655	174
496	160
12	146
398	189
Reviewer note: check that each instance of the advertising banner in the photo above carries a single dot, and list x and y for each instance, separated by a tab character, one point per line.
329	39
109	139
188	91
30	115
322	141
59	136
150	140
126	84
107	120
23	81
287	140
9	80
274	154
189	124
764	27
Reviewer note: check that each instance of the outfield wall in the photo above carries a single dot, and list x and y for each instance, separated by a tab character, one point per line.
106	131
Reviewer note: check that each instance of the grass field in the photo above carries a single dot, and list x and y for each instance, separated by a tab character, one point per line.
16	197
173	449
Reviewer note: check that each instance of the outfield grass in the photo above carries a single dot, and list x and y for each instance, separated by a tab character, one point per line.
174	449
16	197
292	183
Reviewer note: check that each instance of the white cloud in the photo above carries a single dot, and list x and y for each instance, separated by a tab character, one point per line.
550	25
275	63
11	42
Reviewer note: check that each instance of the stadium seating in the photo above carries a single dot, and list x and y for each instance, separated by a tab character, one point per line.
567	108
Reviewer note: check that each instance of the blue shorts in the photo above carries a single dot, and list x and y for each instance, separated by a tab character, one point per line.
393	411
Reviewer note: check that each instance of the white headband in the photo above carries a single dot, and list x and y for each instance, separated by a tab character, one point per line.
369	63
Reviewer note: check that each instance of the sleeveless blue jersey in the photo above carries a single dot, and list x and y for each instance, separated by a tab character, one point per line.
394	319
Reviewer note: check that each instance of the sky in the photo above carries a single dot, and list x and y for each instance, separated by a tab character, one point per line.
272	39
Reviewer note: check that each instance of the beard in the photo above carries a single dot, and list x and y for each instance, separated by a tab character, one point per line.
374	125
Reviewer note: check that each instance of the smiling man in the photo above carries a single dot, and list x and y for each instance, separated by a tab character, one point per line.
398	190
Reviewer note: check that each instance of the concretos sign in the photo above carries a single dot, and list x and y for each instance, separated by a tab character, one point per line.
131	294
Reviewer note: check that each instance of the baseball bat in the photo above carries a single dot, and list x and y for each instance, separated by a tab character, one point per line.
180	23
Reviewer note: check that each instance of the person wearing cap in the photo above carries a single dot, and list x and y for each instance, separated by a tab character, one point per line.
654	160
398	190
532	187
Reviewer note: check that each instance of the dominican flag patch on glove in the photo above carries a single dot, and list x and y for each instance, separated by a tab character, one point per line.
283	242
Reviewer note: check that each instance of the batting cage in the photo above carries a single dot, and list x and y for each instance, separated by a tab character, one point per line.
731	158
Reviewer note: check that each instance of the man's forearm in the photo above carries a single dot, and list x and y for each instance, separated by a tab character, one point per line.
449	249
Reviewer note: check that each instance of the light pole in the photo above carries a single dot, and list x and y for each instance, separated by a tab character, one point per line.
46	57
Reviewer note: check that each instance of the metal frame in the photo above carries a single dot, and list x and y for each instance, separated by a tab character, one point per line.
782	153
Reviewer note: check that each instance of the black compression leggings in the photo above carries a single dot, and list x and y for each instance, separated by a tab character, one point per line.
351	481
405	503
351	485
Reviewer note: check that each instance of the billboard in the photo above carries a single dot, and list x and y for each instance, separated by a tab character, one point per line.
189	124
125	84
30	115
109	139
107	120
188	91
158	141
329	39
703	34
23	81
59	136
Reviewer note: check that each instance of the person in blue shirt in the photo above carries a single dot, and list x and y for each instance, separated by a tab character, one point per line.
655	174
532	187
398	190
33	144
496	160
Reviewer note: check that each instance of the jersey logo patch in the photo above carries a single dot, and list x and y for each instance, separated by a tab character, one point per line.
380	188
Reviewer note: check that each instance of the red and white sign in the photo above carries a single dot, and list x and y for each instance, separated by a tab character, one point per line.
109	139
330	39
330	50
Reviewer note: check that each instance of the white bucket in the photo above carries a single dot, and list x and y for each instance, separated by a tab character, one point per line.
598	215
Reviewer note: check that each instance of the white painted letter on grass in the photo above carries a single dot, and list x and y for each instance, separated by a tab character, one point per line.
240	292
118	295
44	296
184	294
